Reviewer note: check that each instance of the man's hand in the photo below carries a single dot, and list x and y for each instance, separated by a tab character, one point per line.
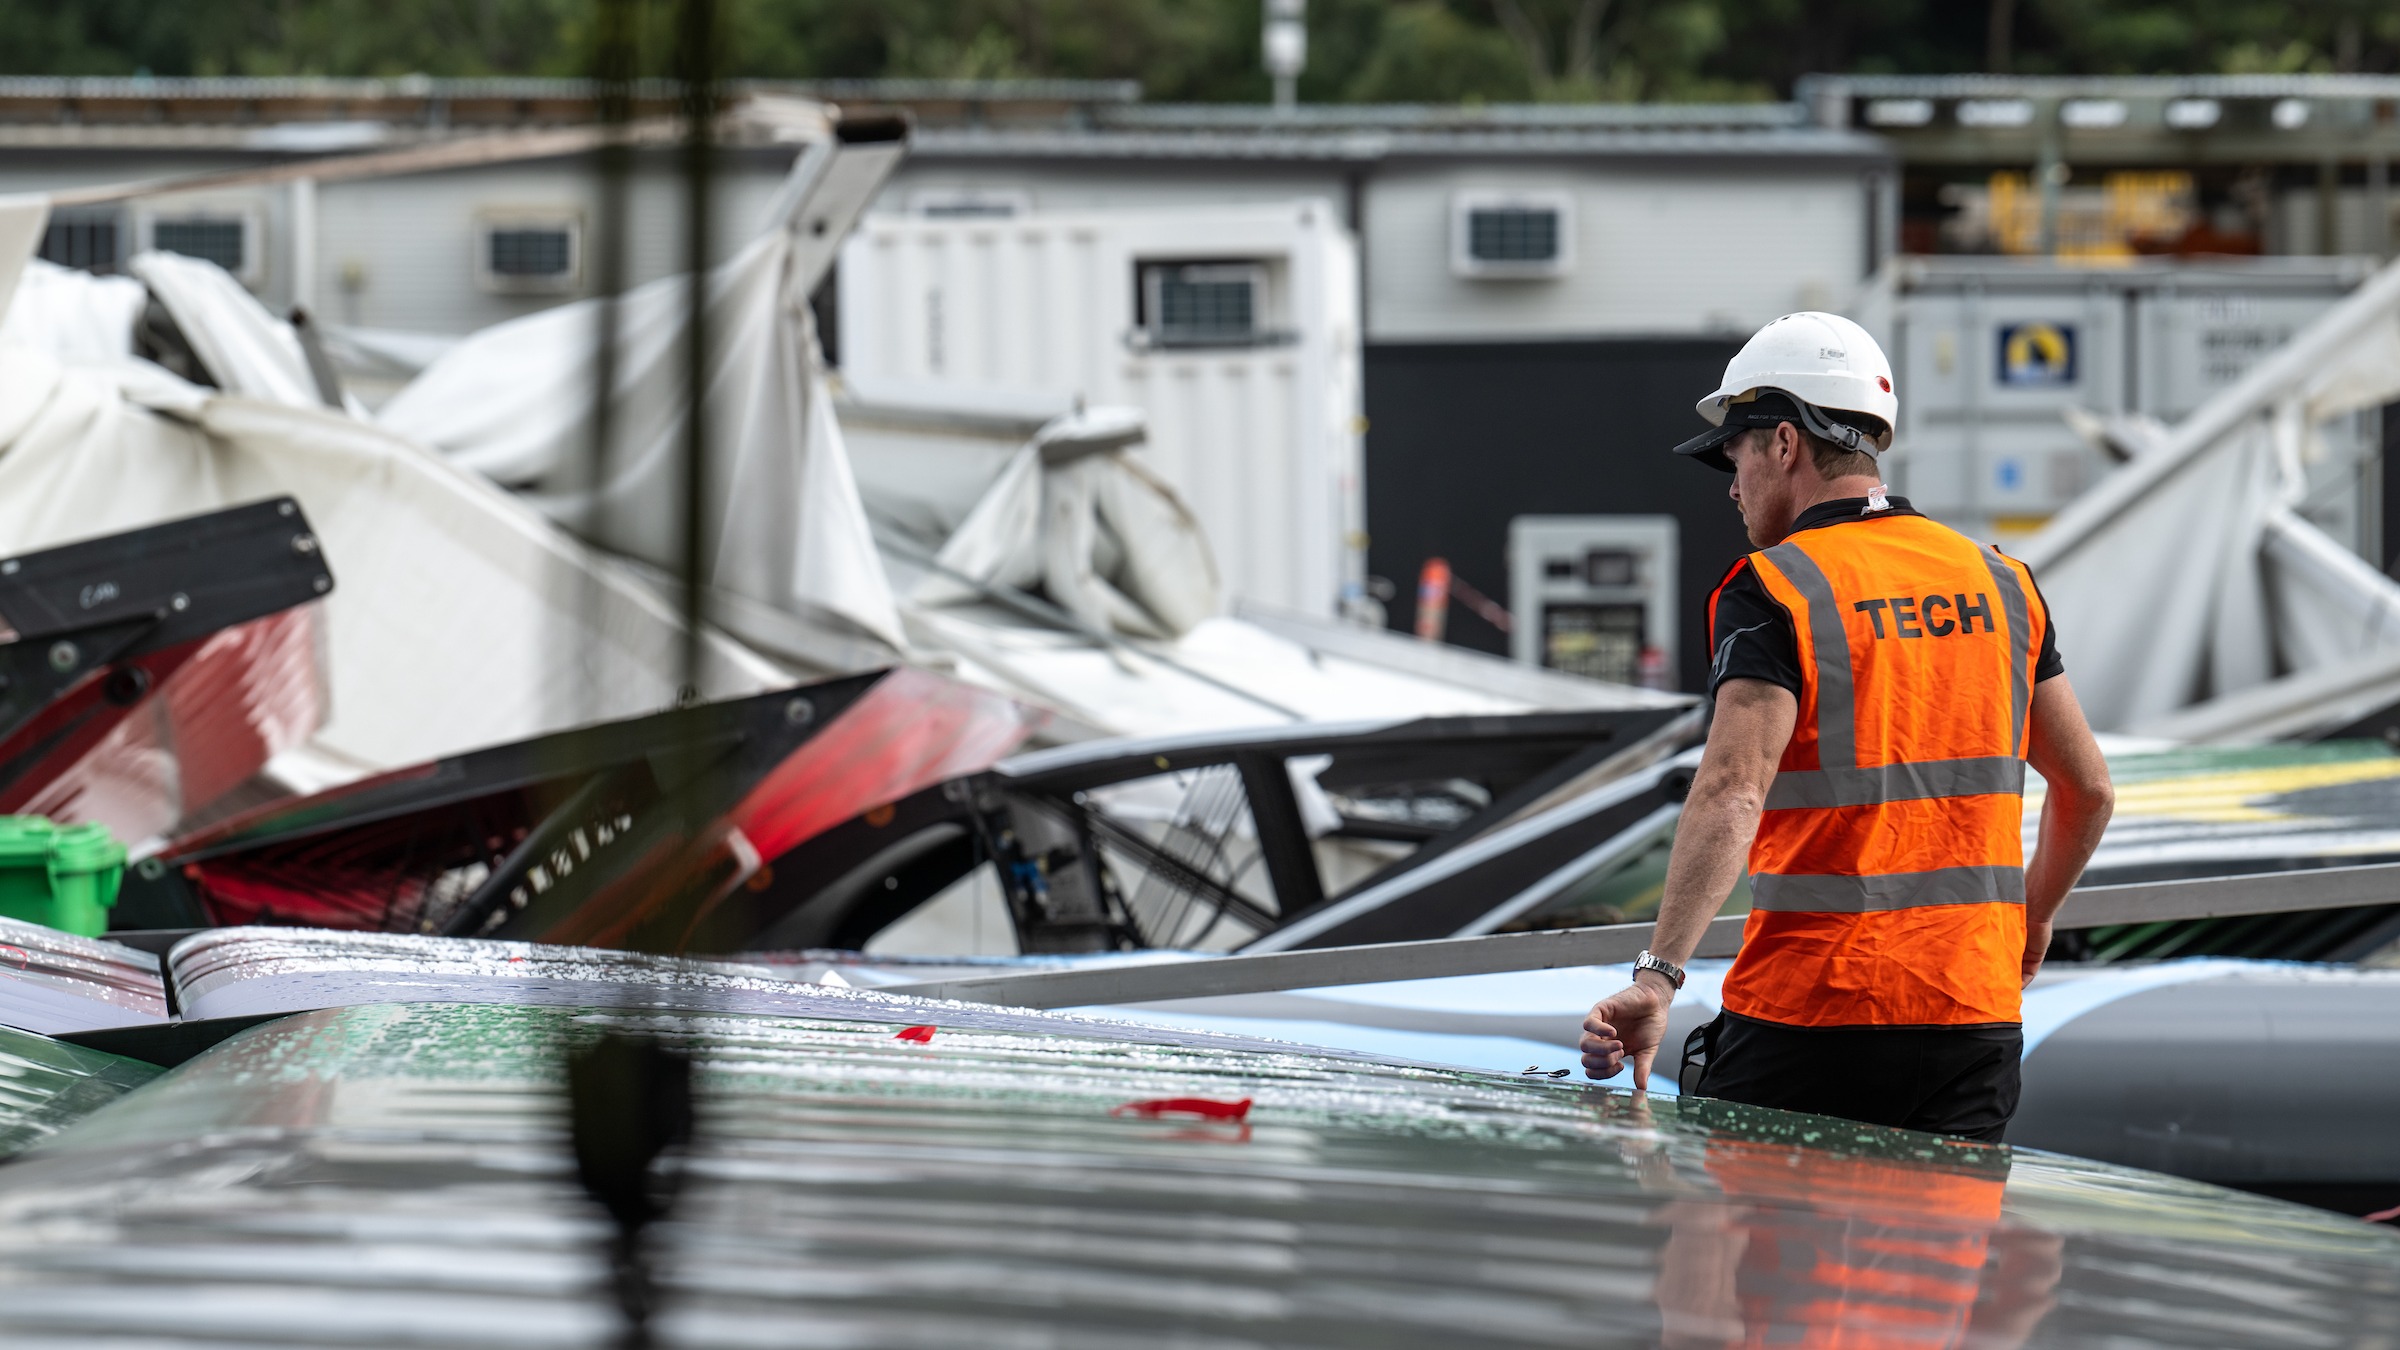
1627	1025
1753	724
2037	946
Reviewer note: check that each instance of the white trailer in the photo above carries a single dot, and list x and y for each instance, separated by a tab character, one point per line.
1236	329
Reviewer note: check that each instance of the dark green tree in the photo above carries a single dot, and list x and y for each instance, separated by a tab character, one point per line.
1207	50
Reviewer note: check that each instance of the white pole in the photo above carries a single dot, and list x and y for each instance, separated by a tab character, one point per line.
1283	46
303	225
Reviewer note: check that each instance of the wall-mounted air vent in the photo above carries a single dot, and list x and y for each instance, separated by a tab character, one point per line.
1518	234
228	238
1207	304
529	253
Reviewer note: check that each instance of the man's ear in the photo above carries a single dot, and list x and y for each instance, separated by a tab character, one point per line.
1788	445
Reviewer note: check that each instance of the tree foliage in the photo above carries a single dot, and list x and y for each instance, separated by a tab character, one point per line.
1361	50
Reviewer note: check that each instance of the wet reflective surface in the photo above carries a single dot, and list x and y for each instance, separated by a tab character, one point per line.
248	972
47	1085
398	1175
53	982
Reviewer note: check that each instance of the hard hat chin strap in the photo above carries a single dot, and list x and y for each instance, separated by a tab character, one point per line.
1840	433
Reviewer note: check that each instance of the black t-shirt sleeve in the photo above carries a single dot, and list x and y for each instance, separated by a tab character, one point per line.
2049	663
1750	636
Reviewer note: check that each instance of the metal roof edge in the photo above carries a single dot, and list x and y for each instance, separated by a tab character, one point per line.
1321	117
1811	87
537	87
1772	142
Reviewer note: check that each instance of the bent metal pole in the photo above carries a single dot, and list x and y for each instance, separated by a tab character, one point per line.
1272	972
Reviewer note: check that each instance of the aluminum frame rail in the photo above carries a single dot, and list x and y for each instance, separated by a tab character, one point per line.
1274	972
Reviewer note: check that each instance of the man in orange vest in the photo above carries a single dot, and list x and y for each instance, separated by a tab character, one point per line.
1880	683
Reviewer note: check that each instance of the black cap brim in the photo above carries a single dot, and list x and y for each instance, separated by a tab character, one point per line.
1709	446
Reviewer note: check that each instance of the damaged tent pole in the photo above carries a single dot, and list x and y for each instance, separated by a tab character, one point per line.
2319	888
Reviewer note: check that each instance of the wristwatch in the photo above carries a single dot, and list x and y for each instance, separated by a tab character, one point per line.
1649	961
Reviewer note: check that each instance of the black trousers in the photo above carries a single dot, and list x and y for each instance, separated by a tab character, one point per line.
1960	1081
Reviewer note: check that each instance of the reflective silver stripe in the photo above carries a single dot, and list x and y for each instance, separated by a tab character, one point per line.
1891	890
1896	782
1837	700
2020	636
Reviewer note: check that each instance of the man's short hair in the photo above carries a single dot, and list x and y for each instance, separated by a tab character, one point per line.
1832	460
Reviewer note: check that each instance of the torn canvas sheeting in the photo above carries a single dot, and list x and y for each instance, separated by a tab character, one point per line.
785	530
22	220
245	349
79	318
2192	574
1253	403
461	618
1237	672
1035	551
1074	515
86	320
514	402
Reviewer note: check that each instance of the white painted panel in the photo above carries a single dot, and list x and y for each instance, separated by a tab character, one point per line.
399	252
1065	187
1657	250
1262	441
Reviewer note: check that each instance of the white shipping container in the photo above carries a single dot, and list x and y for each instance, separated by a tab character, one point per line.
1236	329
1986	371
1989	354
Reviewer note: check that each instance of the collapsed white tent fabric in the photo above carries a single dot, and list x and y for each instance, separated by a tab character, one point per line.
1075	515
1233	672
786	531
459	618
74	316
246	349
989	507
86	320
2189	575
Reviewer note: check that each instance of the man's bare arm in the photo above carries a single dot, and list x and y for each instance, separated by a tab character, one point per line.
2075	808
1753	724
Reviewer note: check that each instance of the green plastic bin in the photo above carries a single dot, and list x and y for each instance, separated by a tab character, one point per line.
60	878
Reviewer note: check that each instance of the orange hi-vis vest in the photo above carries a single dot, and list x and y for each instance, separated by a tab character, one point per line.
1887	879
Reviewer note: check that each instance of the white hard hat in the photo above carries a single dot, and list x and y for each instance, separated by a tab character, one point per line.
1821	363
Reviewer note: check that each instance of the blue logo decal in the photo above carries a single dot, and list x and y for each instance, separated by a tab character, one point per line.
2037	355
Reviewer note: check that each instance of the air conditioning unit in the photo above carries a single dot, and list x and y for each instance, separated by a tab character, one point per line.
226	236
1228	303
1505	235
91	239
529	252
